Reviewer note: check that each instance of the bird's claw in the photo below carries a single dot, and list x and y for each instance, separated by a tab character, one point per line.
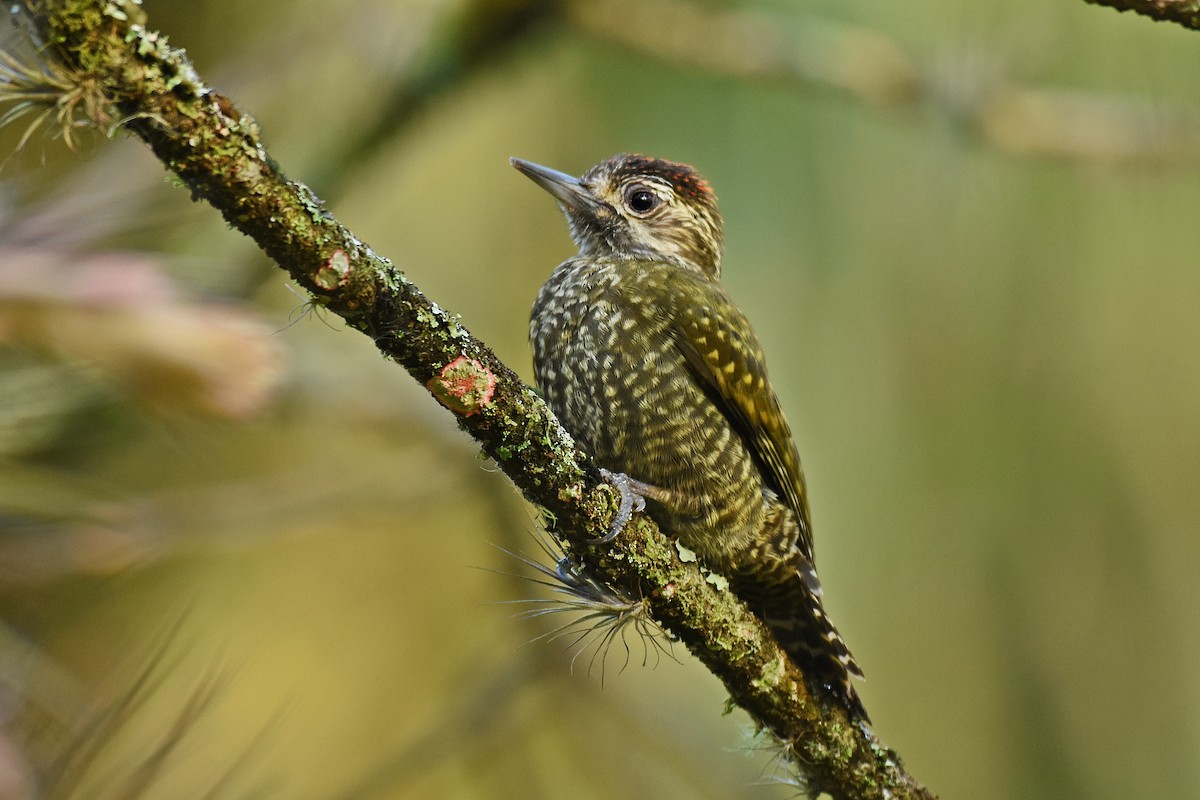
631	501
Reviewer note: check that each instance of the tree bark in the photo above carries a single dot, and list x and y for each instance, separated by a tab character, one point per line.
1183	12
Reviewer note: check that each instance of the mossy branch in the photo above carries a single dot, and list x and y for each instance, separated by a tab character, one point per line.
217	151
1183	12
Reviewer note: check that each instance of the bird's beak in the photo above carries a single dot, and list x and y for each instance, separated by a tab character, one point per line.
566	188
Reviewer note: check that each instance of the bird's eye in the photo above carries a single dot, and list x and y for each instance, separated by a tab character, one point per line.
640	199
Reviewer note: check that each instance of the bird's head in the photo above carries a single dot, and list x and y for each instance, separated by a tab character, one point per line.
634	206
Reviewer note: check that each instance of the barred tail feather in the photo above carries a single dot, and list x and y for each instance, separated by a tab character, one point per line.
806	634
780	584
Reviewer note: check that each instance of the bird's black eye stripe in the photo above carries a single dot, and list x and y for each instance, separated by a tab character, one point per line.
640	199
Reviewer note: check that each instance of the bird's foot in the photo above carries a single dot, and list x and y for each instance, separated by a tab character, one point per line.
633	498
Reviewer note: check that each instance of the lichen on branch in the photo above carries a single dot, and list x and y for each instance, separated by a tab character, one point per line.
1182	12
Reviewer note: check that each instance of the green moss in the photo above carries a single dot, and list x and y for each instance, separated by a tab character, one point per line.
571	493
773	672
455	329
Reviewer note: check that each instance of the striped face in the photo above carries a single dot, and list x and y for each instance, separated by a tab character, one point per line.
649	207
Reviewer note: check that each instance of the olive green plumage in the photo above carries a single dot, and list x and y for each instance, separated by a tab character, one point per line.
647	361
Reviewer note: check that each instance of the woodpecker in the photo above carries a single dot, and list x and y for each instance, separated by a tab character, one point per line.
644	357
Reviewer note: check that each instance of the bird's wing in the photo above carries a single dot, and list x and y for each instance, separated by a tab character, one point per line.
718	343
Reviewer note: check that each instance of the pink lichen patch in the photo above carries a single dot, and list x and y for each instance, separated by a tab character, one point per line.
334	273
464	386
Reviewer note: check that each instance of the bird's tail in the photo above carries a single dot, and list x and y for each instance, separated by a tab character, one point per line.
799	622
785	592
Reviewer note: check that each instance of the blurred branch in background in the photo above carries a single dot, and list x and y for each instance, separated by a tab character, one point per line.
82	328
463	41
746	43
119	314
981	97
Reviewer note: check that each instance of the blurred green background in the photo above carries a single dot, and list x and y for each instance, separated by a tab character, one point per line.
241	555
